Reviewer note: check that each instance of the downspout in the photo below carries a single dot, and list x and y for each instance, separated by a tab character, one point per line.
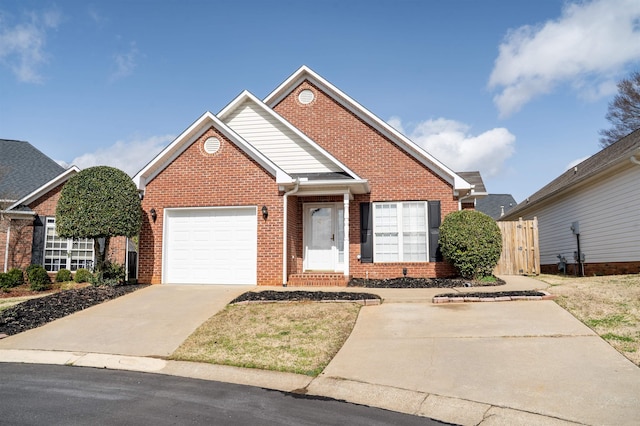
6	248
284	231
634	160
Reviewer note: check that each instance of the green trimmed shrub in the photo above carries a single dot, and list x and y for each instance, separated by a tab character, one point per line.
4	281
471	241
63	275
113	274
13	278
83	276
38	278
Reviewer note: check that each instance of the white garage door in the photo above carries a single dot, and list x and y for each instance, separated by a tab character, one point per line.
210	246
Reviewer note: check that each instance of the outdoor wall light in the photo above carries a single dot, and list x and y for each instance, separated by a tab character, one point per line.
265	212
154	215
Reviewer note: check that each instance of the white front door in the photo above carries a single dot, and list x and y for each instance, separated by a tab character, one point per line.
324	237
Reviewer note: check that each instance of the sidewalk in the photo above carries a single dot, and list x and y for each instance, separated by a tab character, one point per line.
465	363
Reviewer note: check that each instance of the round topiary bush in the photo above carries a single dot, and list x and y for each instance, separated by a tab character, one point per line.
38	278
63	275
471	241
83	276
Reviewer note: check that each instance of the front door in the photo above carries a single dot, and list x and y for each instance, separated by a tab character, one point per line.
324	237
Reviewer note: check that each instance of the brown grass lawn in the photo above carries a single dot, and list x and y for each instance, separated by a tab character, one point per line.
609	305
298	337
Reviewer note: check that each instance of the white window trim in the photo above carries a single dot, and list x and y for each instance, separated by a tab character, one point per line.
399	208
51	222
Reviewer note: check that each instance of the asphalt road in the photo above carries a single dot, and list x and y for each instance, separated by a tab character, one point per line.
33	394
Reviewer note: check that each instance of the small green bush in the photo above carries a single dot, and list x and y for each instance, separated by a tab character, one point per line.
83	276
63	275
471	241
38	278
111	275
13	278
4	281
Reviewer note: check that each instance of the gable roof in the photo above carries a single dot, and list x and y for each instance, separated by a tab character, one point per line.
496	205
186	138
305	73
23	168
626	149
20	205
475	179
311	159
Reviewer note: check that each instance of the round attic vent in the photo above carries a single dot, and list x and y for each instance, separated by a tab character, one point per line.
306	96
211	145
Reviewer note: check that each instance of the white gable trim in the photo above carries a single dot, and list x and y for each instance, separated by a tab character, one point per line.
305	73
246	95
190	135
62	177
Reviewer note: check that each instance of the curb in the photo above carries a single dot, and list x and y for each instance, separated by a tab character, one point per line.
462	299
438	407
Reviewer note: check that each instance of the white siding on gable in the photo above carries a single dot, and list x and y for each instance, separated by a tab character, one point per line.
608	216
281	145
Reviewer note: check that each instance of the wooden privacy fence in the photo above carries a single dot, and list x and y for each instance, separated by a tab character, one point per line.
520	249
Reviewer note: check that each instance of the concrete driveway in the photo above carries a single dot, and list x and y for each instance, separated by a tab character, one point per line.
475	363
500	363
151	322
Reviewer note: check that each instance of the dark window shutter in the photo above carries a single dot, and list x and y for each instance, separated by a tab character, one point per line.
366	233
435	255
37	245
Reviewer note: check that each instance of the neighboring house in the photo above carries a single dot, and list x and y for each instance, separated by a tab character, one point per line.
304	187
496	205
30	185
591	209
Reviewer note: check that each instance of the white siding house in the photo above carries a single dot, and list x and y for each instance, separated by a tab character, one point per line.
596	205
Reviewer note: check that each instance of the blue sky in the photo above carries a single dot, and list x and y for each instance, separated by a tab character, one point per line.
515	89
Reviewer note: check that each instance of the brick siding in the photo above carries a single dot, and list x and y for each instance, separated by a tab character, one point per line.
227	178
393	175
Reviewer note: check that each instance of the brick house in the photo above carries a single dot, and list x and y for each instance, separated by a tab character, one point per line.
30	185
305	187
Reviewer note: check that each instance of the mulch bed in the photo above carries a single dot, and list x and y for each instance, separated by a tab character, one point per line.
407	282
302	296
36	312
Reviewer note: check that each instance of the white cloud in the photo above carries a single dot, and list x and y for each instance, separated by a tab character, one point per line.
128	156
125	63
450	142
588	45
22	45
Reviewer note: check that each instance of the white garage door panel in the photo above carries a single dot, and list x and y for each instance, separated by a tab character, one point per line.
211	246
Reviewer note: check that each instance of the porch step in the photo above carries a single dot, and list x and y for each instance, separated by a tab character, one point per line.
317	280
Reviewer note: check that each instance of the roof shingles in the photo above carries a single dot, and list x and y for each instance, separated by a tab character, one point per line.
23	169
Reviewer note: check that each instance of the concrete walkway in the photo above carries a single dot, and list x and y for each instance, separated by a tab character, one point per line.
501	363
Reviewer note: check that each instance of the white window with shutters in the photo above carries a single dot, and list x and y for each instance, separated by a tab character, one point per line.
400	232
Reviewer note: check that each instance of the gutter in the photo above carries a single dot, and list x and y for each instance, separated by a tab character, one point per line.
284	230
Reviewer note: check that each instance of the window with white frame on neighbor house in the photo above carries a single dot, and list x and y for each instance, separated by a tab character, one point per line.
400	232
65	253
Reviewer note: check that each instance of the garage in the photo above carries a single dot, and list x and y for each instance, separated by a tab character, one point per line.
210	246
